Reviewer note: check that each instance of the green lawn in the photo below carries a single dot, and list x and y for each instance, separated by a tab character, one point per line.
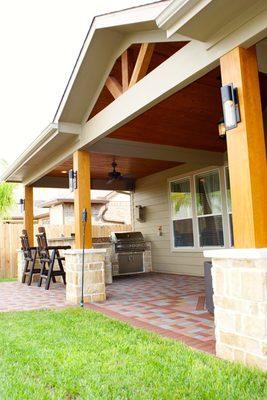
79	354
7	279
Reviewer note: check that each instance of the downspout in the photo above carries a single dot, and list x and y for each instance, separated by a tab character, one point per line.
109	220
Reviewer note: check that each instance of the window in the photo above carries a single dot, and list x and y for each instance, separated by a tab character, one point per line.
181	209
209	209
201	211
229	205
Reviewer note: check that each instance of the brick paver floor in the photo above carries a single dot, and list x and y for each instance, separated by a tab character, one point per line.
15	296
172	305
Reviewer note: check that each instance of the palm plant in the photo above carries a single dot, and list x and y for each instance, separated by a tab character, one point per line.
7	197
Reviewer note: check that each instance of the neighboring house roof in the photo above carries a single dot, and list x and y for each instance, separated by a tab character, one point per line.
55	202
20	217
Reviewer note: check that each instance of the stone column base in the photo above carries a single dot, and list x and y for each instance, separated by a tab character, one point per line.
240	299
94	275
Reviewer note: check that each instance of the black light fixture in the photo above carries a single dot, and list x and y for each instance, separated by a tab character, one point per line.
22	205
231	113
72	180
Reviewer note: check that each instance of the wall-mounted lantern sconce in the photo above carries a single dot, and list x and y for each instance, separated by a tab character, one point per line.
72	180
221	128
140	213
231	113
22	205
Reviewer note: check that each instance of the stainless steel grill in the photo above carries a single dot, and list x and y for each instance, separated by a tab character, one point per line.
130	247
128	242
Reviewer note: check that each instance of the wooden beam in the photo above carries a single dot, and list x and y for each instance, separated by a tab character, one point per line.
114	87
246	151
125	71
142	62
28	213
130	148
82	198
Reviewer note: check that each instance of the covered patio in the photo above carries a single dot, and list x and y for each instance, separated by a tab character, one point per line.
170	305
144	118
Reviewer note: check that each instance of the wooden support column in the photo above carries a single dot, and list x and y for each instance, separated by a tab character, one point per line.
82	198
246	151
28	219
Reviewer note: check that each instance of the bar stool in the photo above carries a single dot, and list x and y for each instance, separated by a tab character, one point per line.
30	255
48	256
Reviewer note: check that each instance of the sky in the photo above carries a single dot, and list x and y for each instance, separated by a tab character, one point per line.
39	41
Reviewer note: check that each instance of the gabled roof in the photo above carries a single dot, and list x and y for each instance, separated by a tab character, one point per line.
215	22
105	36
108	36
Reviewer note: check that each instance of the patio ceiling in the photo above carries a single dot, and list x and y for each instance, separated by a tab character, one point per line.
159	138
101	166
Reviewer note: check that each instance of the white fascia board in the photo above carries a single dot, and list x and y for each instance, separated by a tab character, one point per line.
208	20
69	128
46	135
128	18
178	10
49	136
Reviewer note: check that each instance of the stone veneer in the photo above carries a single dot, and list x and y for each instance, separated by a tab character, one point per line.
94	275
240	299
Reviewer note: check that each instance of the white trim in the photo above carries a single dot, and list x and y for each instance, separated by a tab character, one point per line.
225	221
227	207
194	212
86	251
191	177
210	171
45	136
173	248
237	254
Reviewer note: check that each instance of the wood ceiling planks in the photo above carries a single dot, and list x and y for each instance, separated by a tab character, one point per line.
101	166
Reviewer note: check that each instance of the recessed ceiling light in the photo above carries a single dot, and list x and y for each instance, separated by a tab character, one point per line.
64	172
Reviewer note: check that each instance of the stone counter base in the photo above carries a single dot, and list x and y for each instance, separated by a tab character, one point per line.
240	299
94	275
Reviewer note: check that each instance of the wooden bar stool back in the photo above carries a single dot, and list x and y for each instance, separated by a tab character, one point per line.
48	256
30	255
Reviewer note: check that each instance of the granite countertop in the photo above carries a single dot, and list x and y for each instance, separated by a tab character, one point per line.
102	239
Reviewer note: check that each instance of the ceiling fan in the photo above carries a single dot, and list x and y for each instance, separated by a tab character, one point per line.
115	175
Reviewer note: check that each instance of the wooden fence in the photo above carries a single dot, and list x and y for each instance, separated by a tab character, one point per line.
10	241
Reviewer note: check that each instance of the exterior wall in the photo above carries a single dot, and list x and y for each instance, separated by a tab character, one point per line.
68	213
63	214
153	193
56	215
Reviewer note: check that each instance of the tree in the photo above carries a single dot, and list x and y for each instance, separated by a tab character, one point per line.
7	197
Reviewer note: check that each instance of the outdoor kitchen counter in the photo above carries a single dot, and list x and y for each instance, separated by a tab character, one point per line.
111	264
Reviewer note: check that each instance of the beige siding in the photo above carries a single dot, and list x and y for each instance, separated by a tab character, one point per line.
152	192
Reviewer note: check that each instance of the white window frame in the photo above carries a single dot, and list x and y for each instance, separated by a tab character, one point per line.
225	219
227	205
184	248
